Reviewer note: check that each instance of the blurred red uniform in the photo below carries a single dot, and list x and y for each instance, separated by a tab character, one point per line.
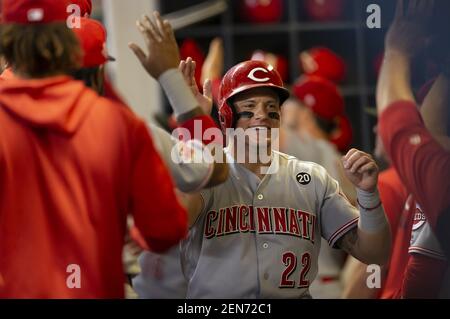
73	165
423	165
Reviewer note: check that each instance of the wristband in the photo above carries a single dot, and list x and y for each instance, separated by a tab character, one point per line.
178	92
372	218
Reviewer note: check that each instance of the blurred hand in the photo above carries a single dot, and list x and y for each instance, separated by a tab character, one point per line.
408	32
214	63
361	169
205	101
163	53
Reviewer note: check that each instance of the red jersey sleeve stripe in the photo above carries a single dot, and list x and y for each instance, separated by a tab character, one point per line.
342	231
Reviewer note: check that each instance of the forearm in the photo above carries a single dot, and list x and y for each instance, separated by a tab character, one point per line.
192	118
374	234
180	95
394	83
371	242
373	248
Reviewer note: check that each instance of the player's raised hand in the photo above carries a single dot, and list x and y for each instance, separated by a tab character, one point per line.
162	49
187	67
361	170
408	33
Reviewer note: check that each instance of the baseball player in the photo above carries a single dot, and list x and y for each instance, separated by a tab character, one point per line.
258	235
73	165
409	144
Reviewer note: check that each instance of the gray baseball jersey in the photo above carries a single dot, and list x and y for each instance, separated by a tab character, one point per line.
261	238
424	242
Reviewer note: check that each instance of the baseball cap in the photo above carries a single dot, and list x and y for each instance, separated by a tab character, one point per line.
92	37
85	6
34	11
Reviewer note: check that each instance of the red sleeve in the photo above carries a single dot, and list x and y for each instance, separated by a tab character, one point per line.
423	165
423	277
159	217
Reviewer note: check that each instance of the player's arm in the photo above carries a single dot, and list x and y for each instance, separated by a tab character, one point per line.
405	39
423	164
434	110
189	176
163	63
370	242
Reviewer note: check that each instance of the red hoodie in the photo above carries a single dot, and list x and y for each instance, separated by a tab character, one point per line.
72	165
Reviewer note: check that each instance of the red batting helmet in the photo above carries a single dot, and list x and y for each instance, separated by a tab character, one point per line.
261	11
243	77
324	10
320	95
323	62
279	62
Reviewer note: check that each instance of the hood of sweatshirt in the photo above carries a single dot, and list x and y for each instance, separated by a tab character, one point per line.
56	103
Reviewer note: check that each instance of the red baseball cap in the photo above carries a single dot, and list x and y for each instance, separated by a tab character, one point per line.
92	37
34	11
320	95
85	6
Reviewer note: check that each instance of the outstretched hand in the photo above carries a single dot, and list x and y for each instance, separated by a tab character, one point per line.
204	100
361	170
408	33
163	53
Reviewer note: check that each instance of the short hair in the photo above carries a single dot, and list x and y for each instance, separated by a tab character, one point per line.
40	50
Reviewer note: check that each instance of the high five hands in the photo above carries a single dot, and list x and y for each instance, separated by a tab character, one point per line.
162	48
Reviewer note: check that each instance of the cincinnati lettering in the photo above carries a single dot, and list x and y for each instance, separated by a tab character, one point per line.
262	220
